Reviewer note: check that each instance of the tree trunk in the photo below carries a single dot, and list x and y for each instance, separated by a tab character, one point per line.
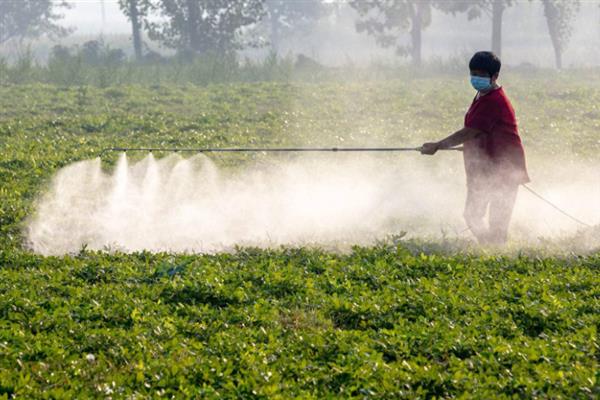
275	37
558	57
551	14
497	11
135	29
416	33
192	25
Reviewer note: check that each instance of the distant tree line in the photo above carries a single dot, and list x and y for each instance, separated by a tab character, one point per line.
217	26
201	27
387	19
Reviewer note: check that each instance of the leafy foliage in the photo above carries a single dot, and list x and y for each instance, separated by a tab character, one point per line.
67	65
386	20
402	319
285	17
210	26
375	323
30	18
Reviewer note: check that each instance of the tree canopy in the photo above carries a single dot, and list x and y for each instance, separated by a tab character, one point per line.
204	26
388	20
20	19
285	16
559	18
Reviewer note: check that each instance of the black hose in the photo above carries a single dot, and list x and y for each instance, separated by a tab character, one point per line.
557	208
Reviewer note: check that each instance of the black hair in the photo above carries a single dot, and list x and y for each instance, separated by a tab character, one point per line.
485	61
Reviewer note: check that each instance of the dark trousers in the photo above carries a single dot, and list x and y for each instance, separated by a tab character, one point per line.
498	200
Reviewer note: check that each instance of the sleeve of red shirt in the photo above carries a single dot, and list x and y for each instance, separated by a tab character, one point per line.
484	116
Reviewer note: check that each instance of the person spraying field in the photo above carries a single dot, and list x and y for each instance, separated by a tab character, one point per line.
166	202
494	158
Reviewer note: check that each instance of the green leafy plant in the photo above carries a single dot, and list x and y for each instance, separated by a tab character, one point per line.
404	318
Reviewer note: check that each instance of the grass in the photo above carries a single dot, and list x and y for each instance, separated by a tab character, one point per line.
402	319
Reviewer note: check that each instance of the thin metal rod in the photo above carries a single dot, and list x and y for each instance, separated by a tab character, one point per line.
266	149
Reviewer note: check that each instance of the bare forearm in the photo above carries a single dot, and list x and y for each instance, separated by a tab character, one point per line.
459	137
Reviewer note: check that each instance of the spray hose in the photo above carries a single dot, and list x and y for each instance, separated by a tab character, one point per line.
560	210
315	149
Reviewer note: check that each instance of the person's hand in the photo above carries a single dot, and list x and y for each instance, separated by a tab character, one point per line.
429	148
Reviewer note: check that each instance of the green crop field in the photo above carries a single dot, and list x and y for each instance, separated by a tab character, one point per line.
403	318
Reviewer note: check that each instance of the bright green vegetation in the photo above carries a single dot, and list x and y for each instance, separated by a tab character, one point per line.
298	323
401	320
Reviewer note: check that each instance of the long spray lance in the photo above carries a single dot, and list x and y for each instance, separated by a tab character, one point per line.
314	150
266	149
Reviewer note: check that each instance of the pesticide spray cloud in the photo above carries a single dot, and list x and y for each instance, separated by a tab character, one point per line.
190	205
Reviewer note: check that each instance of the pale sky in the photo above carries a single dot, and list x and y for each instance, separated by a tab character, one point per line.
86	17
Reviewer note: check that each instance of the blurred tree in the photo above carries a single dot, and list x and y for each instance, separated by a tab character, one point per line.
497	10
559	17
475	9
91	52
60	53
285	16
204	26
387	20
136	11
20	19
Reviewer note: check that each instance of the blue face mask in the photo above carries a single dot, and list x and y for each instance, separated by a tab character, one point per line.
481	83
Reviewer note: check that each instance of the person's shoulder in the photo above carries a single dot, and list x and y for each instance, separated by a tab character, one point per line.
499	96
503	104
498	92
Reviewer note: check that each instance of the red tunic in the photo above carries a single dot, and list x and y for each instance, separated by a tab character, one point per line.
497	155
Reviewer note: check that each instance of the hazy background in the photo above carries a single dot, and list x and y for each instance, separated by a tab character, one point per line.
334	40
